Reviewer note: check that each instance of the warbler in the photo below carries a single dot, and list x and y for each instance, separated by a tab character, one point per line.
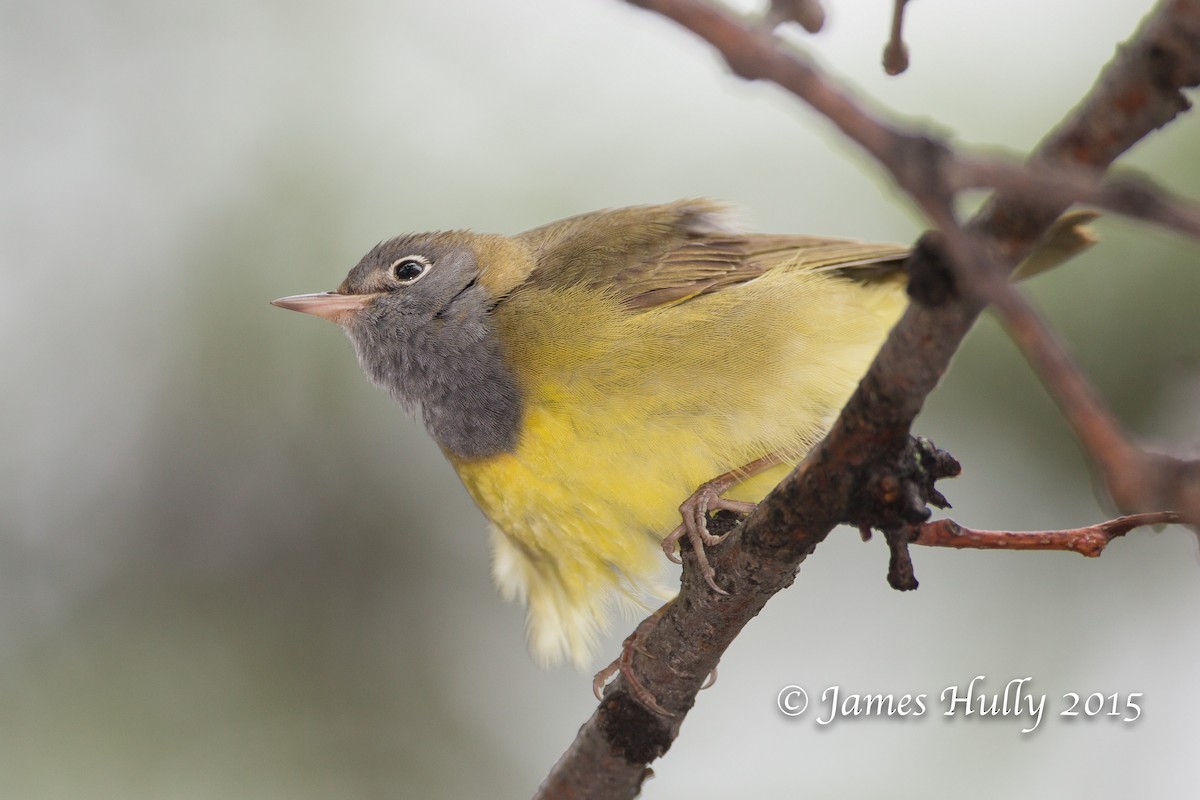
585	377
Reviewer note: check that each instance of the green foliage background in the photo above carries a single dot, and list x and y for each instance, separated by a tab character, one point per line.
231	568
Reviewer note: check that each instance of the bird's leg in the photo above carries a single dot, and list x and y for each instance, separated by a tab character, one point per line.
708	497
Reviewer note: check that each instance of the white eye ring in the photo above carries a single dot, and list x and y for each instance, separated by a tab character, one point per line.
408	269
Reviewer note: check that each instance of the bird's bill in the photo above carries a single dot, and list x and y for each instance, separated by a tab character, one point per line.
327	305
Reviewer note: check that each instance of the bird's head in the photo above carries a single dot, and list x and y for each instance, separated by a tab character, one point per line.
418	310
402	286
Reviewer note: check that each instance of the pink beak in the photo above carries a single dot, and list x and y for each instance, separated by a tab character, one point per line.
327	305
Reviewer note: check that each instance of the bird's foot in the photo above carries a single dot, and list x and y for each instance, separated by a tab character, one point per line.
624	665
694	526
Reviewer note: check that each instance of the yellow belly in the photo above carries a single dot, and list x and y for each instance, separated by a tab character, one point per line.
626	414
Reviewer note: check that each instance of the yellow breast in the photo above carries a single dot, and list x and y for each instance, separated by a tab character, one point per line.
627	413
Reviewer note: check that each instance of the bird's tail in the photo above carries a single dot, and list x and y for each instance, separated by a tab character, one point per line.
1067	237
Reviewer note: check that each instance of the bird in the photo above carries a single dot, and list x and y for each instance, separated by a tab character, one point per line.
585	377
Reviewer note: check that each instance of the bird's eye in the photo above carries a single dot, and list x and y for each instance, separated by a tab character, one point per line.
408	269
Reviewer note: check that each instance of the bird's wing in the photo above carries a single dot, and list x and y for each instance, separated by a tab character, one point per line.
660	255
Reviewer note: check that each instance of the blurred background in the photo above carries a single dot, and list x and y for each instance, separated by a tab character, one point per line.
229	567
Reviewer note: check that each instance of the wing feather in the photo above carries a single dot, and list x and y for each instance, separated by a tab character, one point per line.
662	255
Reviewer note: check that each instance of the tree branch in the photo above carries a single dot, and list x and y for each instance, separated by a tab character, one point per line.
862	473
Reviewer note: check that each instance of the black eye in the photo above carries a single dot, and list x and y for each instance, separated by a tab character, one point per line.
409	268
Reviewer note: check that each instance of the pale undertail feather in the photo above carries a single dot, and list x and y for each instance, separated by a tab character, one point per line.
560	627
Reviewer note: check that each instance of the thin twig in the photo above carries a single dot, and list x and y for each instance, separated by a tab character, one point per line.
895	53
809	13
1136	198
1089	541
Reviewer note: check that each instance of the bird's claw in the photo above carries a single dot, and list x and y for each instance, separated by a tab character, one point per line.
694	526
624	665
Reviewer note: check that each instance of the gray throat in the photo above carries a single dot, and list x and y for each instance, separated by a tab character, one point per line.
456	374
